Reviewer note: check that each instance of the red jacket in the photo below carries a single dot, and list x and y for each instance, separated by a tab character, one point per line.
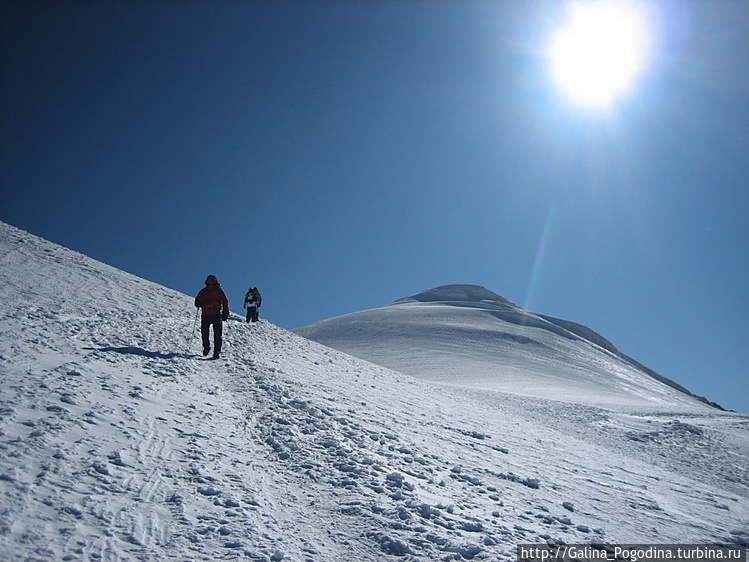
211	299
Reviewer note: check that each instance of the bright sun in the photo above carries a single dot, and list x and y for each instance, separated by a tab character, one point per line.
600	50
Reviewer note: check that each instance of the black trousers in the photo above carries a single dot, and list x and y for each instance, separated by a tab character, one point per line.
205	324
252	314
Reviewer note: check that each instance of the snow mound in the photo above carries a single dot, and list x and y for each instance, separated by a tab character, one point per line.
119	442
467	335
457	294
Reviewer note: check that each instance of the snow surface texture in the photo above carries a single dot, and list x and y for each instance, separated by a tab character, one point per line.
468	336
118	441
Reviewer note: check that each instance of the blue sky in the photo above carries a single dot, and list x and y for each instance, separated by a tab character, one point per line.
340	155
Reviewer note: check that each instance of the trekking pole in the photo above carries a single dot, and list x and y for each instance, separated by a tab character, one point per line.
194	323
226	331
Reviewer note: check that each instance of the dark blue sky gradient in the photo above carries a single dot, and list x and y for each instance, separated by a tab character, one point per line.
341	154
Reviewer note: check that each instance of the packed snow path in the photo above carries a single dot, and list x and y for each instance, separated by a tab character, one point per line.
118	441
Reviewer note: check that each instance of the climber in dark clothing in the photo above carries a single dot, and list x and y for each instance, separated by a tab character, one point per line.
252	302
214	309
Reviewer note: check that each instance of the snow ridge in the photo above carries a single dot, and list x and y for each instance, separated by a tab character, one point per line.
468	335
119	442
479	297
458	293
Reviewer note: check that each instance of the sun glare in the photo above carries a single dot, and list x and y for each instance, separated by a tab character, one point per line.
600	50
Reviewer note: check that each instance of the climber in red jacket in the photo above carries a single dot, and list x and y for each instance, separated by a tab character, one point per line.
214	309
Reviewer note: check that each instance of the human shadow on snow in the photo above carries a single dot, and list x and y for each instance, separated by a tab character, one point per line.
134	350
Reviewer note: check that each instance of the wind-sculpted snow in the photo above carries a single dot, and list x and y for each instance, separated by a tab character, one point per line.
469	336
119	442
478	298
472	294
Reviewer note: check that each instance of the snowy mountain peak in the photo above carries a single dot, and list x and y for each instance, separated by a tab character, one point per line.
119	441
468	335
457	293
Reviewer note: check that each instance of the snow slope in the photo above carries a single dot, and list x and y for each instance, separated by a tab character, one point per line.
466	335
119	442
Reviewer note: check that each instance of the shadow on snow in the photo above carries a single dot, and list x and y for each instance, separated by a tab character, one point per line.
134	350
